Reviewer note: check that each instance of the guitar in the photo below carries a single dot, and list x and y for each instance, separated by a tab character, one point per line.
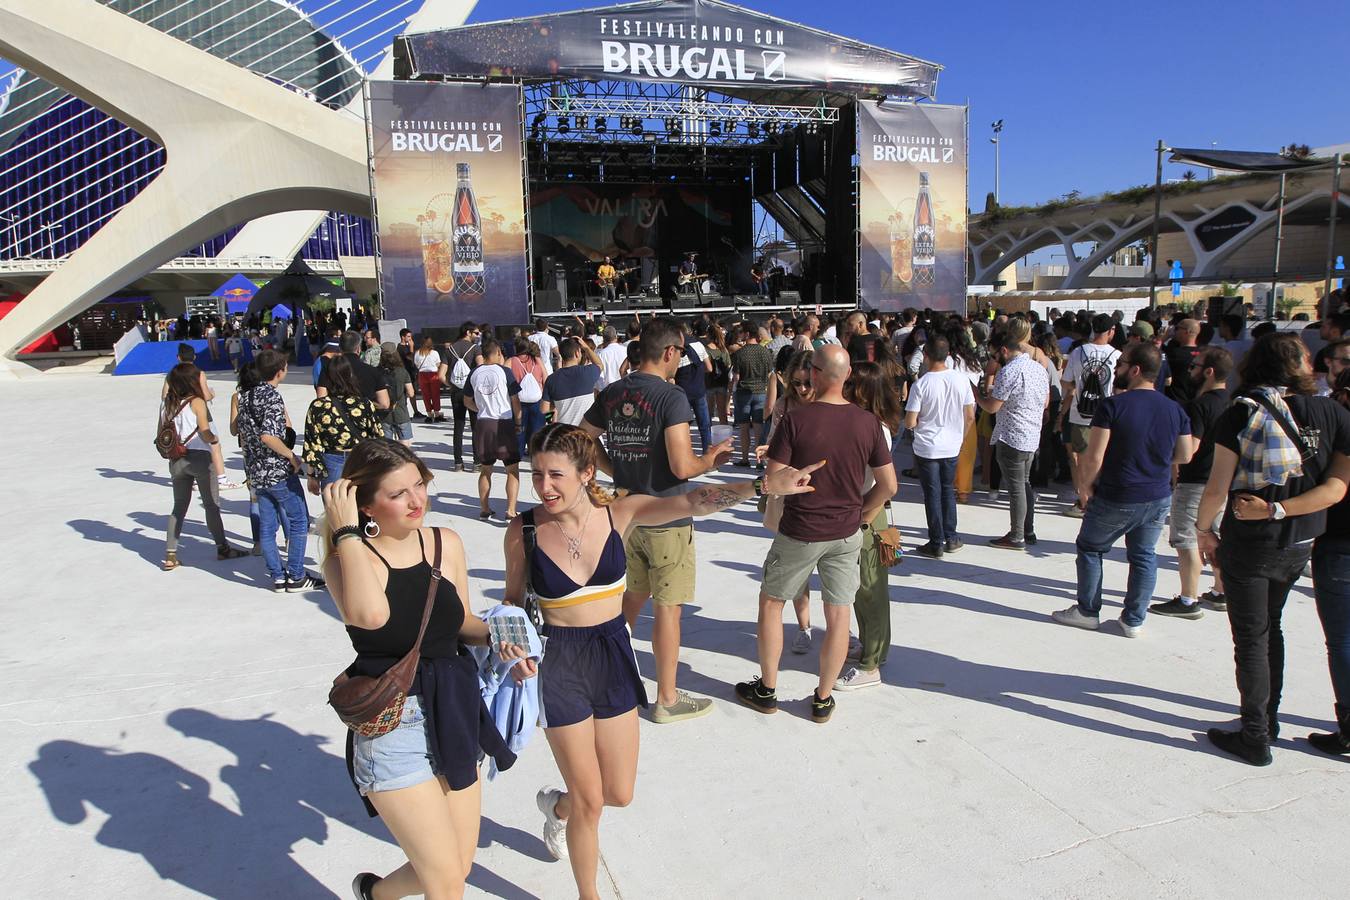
687	279
760	276
618	273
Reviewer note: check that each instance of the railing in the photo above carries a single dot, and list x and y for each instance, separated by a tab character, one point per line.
25	266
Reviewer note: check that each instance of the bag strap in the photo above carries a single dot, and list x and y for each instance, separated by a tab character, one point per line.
527	536
432	589
1289	429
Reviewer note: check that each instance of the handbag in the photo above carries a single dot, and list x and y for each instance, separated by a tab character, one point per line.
168	441
889	550
527	535
373	706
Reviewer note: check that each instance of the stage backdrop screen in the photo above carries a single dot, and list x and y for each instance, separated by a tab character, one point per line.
912	206
646	226
449	202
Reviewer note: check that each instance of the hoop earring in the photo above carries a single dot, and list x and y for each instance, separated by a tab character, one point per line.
369	525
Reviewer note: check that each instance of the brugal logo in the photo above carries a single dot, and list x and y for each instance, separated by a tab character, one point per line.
693	63
444	142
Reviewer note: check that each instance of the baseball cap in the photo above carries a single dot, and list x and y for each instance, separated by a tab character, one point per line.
331	345
1141	329
1102	323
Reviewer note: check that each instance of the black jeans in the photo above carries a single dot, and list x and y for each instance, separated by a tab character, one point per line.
460	413
1256	581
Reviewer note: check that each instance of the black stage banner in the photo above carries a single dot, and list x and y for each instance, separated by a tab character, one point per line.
450	204
702	42
912	206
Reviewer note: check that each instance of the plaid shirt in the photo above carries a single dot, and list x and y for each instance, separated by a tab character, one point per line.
1266	454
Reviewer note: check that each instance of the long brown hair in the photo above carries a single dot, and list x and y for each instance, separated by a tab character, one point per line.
869	388
800	361
366	466
185	384
1276	360
579	448
342	378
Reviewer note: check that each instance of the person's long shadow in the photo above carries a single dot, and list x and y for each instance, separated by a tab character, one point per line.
1020	689
148	544
164	813
145	476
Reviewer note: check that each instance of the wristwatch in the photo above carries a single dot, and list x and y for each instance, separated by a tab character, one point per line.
1277	511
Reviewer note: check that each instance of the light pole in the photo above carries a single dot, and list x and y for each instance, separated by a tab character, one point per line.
13	234
998	129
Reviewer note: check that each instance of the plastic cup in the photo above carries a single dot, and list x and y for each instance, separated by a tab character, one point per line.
722	433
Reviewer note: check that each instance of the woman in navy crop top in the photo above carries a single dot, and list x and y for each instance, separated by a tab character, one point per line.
589	685
422	777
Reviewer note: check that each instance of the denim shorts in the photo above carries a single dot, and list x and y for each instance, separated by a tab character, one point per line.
1185	509
748	407
399	759
401	432
588	672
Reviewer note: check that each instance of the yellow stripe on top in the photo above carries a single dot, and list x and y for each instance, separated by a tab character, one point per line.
585	595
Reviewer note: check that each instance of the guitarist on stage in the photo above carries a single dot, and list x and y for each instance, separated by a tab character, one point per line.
759	271
606	276
687	283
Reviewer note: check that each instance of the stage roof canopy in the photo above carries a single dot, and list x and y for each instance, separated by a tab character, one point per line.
700	42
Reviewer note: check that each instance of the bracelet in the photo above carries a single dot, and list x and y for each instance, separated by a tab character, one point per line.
1202	531
345	531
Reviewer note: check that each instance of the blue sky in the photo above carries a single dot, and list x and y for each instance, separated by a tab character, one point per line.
1086	90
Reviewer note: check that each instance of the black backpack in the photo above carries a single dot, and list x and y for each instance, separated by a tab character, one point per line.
1098	372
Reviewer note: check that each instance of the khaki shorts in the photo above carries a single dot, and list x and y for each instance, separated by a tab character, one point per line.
1185	508
1078	437
790	563
661	563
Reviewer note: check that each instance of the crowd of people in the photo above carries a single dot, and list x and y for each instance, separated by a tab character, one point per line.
1237	442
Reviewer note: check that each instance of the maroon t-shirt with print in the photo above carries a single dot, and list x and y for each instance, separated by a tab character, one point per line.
850	441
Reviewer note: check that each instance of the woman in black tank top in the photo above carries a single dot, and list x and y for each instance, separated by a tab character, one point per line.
422	777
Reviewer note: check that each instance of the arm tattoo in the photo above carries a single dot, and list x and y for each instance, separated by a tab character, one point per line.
714	499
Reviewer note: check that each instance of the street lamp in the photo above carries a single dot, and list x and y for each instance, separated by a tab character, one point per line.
13	233
998	129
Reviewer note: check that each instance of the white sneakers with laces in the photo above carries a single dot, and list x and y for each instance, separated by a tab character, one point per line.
555	829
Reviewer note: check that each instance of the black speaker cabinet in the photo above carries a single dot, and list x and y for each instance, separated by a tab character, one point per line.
789	298
546	301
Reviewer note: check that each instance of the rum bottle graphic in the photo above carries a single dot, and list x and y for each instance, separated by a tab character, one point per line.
467	232
924	236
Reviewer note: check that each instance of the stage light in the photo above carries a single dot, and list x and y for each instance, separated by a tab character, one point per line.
673	127
581	122
812	127
729	126
563	126
636	127
601	126
752	129
715	128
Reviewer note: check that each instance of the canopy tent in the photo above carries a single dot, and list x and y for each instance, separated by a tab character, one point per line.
237	292
1245	160
704	42
294	288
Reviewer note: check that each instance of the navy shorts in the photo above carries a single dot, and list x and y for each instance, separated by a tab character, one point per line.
588	672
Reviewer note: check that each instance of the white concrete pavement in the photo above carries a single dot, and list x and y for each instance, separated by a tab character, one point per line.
166	733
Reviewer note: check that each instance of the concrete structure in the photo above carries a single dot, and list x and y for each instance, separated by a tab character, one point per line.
239	148
166	734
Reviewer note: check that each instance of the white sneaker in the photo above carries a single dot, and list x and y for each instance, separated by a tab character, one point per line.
855	679
802	642
1074	616
994	494
1131	631
555	829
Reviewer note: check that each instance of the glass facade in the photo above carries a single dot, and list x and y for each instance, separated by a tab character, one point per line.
66	168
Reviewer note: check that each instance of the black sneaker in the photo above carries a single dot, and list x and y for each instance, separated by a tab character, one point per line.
1217	602
952	546
930	550
1235	743
279	587
821	710
1178	610
1007	543
363	885
306	583
1030	540
757	696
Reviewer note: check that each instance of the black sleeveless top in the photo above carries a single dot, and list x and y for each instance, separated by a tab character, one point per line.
378	649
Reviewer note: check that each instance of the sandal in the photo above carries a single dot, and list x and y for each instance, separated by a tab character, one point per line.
170	562
223	553
485	514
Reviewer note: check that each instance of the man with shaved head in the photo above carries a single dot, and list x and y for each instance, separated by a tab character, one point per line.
1181	353
821	531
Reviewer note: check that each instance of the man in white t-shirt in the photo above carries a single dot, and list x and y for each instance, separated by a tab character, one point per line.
1088	376
491	392
612	357
548	347
941	407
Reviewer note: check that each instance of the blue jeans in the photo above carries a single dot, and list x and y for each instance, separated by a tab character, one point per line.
284	503
1103	524
704	421
531	420
937	477
1331	587
333	462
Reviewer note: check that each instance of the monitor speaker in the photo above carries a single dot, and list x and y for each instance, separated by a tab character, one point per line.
789	298
683	301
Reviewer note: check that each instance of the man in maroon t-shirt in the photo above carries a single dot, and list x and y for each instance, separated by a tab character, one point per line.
821	530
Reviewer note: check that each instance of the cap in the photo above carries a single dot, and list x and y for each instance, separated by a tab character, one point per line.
1141	329
1102	323
331	345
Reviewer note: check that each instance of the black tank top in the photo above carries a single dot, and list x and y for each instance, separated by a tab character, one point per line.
378	649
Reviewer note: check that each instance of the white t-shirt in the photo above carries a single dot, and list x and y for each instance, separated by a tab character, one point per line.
1102	358
548	345
870	480
493	387
940	399
186	424
233	345
427	362
612	357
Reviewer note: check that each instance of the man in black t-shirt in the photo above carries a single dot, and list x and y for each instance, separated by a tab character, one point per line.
372	383
1180	353
644	420
1211	371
